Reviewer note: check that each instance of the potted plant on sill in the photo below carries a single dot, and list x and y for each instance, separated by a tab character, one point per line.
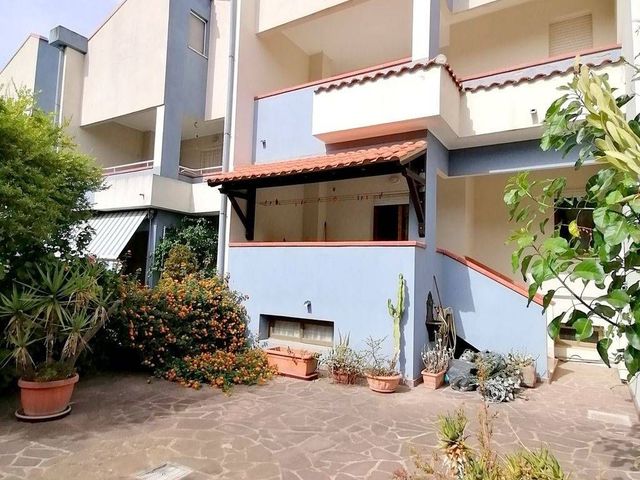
294	363
343	363
382	375
47	325
526	365
436	363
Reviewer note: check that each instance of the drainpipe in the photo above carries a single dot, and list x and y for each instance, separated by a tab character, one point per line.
226	145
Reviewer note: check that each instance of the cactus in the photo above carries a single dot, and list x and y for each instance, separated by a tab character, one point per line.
396	312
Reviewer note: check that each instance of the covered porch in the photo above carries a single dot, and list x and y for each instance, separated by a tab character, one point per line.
317	244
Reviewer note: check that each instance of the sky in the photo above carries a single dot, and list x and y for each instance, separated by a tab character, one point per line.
19	18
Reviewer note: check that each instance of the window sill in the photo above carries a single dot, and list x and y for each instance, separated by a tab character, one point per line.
197	52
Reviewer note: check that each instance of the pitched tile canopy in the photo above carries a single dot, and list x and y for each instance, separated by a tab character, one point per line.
398	152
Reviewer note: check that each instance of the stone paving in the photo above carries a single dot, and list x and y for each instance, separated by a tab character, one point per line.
295	430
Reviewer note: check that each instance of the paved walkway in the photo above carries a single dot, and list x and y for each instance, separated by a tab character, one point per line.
295	430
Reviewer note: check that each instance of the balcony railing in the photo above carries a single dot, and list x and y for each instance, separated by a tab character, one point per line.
128	167
198	172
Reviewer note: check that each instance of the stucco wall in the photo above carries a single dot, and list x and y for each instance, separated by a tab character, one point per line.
21	68
274	13
490	316
219	31
278	281
283	122
134	43
519	34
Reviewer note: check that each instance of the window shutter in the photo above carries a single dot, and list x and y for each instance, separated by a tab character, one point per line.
571	35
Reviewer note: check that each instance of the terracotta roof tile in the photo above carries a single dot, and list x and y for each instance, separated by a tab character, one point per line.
392	71
546	69
333	161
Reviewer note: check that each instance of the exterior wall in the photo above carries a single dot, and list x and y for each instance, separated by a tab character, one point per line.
519	34
160	221
34	67
134	40
143	189
284	123
502	325
264	65
275	13
298	274
219	34
380	107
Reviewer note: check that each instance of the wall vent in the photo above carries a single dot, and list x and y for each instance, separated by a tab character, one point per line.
571	35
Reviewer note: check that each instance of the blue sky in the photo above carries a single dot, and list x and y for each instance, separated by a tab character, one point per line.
19	18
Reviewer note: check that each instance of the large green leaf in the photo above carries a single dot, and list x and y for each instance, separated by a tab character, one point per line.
553	329
548	297
603	350
555	245
584	328
589	269
616	298
632	333
632	360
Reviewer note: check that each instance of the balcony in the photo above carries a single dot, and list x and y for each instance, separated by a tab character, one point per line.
345	283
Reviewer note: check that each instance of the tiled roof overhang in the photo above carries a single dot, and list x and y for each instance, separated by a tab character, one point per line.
545	69
393	71
388	154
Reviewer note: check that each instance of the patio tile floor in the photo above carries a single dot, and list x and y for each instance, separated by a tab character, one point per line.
293	430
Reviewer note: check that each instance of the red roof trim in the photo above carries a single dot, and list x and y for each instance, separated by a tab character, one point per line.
537	63
492	274
329	244
352	73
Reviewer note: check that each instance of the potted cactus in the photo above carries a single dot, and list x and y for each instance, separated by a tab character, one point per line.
381	372
436	362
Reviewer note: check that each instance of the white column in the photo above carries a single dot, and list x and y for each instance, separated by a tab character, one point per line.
426	29
158	140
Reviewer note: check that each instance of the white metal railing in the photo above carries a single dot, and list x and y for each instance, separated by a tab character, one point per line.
128	167
198	172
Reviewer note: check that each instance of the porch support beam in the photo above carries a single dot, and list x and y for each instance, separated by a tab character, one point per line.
247	217
416	183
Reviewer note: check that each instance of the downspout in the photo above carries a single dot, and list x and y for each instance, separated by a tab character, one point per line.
226	145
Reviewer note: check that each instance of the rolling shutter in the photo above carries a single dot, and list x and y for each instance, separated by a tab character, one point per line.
572	35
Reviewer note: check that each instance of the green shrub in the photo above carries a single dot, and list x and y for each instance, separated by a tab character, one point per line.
221	369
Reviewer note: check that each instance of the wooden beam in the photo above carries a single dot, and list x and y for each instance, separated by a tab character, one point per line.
417	200
251	214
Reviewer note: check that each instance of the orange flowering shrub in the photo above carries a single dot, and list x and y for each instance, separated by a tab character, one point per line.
181	318
221	369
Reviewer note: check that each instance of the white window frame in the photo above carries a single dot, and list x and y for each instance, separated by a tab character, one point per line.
205	36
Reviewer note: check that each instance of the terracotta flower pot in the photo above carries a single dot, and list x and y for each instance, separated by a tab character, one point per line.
344	378
293	363
41	399
433	381
383	384
529	377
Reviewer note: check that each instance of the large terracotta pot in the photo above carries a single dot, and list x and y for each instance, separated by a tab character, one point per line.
433	381
293	363
41	399
344	378
383	384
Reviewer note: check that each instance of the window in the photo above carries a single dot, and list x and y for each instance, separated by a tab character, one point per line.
575	209
571	35
197	33
568	335
390	222
305	331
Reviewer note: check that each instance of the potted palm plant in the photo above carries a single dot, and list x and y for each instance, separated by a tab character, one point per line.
436	362
48	323
381	372
343	363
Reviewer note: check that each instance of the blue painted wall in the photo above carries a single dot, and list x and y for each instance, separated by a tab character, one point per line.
490	316
46	81
347	285
186	81
506	157
284	123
